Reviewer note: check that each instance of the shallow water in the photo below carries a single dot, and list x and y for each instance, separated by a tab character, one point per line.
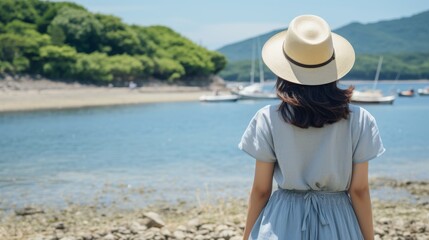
169	151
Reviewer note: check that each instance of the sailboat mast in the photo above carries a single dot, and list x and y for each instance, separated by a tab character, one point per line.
380	61
261	70
252	71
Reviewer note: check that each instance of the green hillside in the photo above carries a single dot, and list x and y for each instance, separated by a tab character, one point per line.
404	43
410	34
64	41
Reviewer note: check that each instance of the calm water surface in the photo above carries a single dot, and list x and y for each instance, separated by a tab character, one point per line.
170	151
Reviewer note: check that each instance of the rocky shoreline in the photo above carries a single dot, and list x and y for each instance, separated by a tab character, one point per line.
223	220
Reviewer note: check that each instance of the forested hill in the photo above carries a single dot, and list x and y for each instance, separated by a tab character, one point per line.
404	43
65	41
404	35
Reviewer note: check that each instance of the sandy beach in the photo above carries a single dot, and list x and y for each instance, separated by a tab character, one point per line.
89	97
24	95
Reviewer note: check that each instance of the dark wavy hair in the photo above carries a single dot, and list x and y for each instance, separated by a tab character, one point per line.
313	106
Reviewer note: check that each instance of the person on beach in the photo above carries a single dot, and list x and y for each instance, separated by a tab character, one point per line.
314	143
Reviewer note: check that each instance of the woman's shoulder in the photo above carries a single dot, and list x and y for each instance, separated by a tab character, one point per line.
267	111
265	114
359	112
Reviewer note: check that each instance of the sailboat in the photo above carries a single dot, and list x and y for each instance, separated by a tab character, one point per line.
216	97
423	91
373	95
257	90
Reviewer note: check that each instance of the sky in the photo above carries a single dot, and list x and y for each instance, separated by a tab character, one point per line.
216	23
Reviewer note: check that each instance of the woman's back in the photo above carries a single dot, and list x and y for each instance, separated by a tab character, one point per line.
312	158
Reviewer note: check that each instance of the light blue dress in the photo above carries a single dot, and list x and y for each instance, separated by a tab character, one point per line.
313	169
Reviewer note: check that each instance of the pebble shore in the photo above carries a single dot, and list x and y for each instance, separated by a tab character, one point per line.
223	220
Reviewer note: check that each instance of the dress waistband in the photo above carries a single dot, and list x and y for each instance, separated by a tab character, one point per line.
312	202
312	191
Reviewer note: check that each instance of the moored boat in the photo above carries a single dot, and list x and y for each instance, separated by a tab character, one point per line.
406	93
219	98
257	91
423	91
373	95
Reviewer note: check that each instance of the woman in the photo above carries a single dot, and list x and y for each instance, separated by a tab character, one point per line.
314	143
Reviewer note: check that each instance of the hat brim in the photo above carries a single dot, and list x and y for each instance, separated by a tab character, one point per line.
274	58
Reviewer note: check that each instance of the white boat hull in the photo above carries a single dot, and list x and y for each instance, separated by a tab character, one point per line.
256	92
259	96
372	97
219	98
423	92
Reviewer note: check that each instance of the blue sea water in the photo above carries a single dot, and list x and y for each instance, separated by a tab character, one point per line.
169	151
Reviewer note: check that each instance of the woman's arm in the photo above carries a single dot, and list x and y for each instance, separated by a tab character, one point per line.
361	200
261	192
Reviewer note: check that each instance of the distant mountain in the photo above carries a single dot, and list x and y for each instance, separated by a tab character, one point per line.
404	35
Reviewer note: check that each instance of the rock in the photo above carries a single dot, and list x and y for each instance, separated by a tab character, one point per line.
385	220
148	235
221	227
59	226
195	222
136	227
209	227
182	228
199	237
379	231
28	211
123	231
109	237
236	238
242	226
166	232
227	234
179	235
202	232
155	220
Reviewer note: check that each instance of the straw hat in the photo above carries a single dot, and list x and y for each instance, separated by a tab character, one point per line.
308	53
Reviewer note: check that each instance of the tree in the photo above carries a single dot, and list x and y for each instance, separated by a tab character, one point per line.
117	37
92	68
124	67
58	61
81	29
168	69
19	27
148	65
15	48
218	60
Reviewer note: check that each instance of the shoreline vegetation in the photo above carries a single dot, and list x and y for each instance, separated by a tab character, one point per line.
221	220
65	41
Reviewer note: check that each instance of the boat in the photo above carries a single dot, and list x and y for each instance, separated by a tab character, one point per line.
219	98
257	91
423	91
406	93
373	95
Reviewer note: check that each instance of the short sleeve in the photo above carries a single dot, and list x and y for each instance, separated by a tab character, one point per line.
257	140
368	144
